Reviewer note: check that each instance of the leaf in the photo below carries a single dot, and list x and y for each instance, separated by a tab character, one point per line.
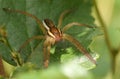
114	36
65	71
20	27
103	64
16	30
6	54
114	29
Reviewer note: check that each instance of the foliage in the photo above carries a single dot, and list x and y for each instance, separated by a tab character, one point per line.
18	28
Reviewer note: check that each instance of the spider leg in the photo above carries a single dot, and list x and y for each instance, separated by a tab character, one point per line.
66	27
16	56
78	46
29	40
46	50
61	17
30	15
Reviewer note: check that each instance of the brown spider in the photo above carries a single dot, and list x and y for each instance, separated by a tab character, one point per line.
53	34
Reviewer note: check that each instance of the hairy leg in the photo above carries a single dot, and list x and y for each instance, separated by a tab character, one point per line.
66	27
28	14
78	46
62	17
29	40
46	50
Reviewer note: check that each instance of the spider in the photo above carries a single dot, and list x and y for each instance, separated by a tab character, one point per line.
53	34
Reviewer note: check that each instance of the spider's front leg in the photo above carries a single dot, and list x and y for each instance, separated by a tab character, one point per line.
27	14
46	49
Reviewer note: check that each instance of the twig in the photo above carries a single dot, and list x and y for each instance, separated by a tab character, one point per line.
112	51
2	71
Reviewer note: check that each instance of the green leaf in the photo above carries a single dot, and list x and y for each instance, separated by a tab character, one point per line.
66	71
6	54
20	28
114	34
114	29
103	65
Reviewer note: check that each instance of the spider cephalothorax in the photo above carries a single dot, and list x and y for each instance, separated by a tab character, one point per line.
52	30
53	34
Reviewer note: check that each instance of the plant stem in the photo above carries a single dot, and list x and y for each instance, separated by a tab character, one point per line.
113	52
2	71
